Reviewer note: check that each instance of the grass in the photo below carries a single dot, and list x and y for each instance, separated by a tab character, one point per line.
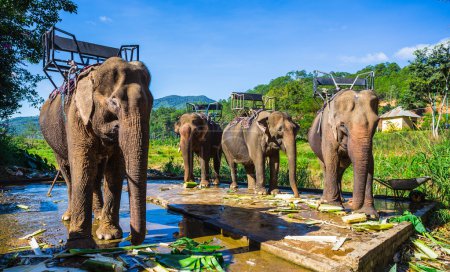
397	155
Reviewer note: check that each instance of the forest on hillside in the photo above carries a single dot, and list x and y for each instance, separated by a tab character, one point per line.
395	86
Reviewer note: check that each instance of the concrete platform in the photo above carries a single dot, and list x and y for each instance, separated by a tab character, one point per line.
248	218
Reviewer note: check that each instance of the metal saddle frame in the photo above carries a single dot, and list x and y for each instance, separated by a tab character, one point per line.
365	80
213	111
65	54
246	104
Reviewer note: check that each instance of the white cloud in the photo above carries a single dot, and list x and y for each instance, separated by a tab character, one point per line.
105	19
369	58
406	53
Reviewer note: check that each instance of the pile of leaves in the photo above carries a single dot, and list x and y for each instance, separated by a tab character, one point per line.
185	255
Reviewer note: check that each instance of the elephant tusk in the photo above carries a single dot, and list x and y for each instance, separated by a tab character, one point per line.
179	149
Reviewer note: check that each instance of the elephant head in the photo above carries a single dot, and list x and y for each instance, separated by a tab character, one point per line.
115	101
279	133
353	118
192	128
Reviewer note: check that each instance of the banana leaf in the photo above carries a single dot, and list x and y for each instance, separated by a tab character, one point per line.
193	262
82	251
425	249
409	217
423	268
188	246
190	184
369	226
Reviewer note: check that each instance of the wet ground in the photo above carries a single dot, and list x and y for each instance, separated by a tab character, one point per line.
250	217
163	226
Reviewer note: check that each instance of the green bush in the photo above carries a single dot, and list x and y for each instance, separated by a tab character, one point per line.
18	151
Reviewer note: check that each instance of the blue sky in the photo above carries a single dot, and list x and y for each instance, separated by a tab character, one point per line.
214	47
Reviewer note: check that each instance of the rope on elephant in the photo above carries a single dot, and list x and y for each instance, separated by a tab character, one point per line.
70	83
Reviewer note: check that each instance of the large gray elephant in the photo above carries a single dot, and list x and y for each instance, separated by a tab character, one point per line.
250	140
342	134
201	136
102	131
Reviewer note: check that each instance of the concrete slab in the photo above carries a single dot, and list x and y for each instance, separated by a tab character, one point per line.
248	218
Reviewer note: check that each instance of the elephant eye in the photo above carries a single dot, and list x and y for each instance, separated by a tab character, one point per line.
280	129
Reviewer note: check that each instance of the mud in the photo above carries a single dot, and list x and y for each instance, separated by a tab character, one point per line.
162	225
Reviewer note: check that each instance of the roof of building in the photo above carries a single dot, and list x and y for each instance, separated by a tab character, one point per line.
399	112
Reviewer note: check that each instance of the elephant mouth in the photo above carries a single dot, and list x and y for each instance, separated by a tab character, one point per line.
112	136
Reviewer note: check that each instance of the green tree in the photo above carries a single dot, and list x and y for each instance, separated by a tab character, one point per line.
430	82
21	25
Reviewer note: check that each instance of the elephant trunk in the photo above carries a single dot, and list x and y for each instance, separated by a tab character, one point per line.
133	140
186	133
291	152
359	150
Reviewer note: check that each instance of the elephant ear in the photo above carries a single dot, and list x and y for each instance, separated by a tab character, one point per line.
296	127
262	120
84	95
177	127
332	120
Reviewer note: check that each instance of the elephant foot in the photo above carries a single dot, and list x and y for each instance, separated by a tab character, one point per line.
233	186
331	202
216	182
87	242
369	211
204	184
97	214
274	191
261	191
108	231
66	216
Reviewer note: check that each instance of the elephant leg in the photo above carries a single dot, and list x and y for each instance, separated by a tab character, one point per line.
368	207
233	168
331	194
83	176
65	171
260	174
251	178
344	163
204	166
274	164
97	202
216	160
109	224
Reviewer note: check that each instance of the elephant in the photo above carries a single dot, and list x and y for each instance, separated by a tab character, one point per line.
202	136
250	140
100	130
341	134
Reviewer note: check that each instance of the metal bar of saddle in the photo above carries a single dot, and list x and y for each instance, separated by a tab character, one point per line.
86	48
247	96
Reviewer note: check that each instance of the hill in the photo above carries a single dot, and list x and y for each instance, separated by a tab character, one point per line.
179	102
24	125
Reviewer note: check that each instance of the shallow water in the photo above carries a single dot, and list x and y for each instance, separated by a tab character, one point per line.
162	225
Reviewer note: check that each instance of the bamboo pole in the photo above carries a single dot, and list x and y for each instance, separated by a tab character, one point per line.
49	193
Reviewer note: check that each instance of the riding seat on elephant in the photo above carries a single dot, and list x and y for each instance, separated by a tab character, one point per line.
202	136
250	140
100	130
341	134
